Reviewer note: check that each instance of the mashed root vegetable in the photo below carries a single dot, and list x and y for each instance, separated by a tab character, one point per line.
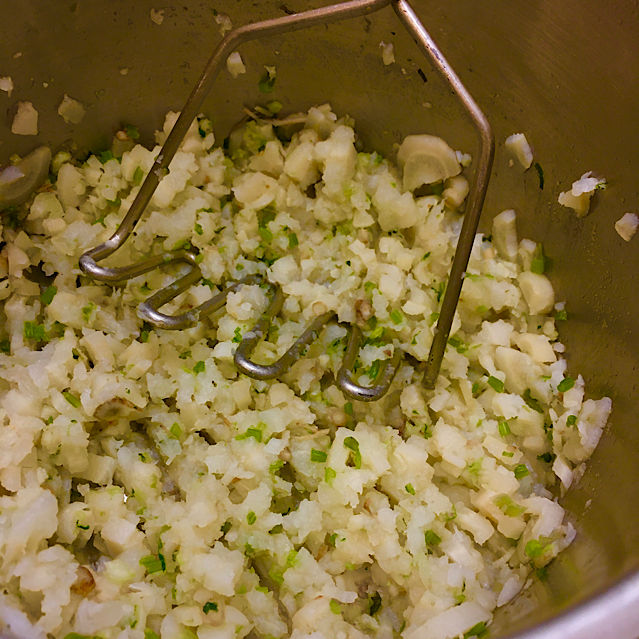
148	490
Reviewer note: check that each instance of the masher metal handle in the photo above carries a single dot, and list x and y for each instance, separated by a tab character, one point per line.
354	8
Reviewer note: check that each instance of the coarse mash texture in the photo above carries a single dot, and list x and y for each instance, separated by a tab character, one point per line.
148	490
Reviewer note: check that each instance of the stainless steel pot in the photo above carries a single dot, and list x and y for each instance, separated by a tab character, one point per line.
566	74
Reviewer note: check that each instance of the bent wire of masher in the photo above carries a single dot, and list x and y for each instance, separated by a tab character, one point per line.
149	310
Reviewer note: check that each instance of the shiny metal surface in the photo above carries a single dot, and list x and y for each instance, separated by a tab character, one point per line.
566	74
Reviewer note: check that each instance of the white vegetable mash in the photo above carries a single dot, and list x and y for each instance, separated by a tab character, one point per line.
149	491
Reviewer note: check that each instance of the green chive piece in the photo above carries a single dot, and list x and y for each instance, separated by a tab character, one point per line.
251	518
540	172
131	131
329	475
153	564
72	399
396	316
200	367
532	402
409	489
175	430
432	538
292	240
538	264
571	420
521	471
275	466
318	455
478	630
335	607
504	429
47	297
137	176
211	605
534	548
561	316
508	506
352	444
496	384
267	83
348	408
565	384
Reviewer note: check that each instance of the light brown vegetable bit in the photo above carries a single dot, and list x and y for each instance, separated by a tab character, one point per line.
84	583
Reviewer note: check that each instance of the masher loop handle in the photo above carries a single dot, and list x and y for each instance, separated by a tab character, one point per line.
477	191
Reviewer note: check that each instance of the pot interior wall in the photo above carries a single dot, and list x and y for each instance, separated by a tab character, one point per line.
565	74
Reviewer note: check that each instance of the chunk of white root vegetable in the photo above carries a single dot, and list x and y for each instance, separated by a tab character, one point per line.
505	234
426	159
518	145
627	226
26	120
578	198
538	292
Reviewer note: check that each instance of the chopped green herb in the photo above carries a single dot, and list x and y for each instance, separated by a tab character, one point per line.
251	518
508	506
226	526
198	229
542	573
496	384
329	475
72	399
475	466
32	330
426	256
5	346
534	548
292	240
538	264
396	316
137	176
318	455
185	355
561	316
105	156
210	606
352	444
47	297
532	402
48	421
131	131
369	286
175	430
87	311
432	538
267	83
504	429
81	526
335	607
275	466
546	457
275	573
478	630
521	471
409	489
331	539
571	420
476	389
508	454
200	367
255	433
540	172
75	635
565	384
265	234
374	603
153	564
237	336
457	344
